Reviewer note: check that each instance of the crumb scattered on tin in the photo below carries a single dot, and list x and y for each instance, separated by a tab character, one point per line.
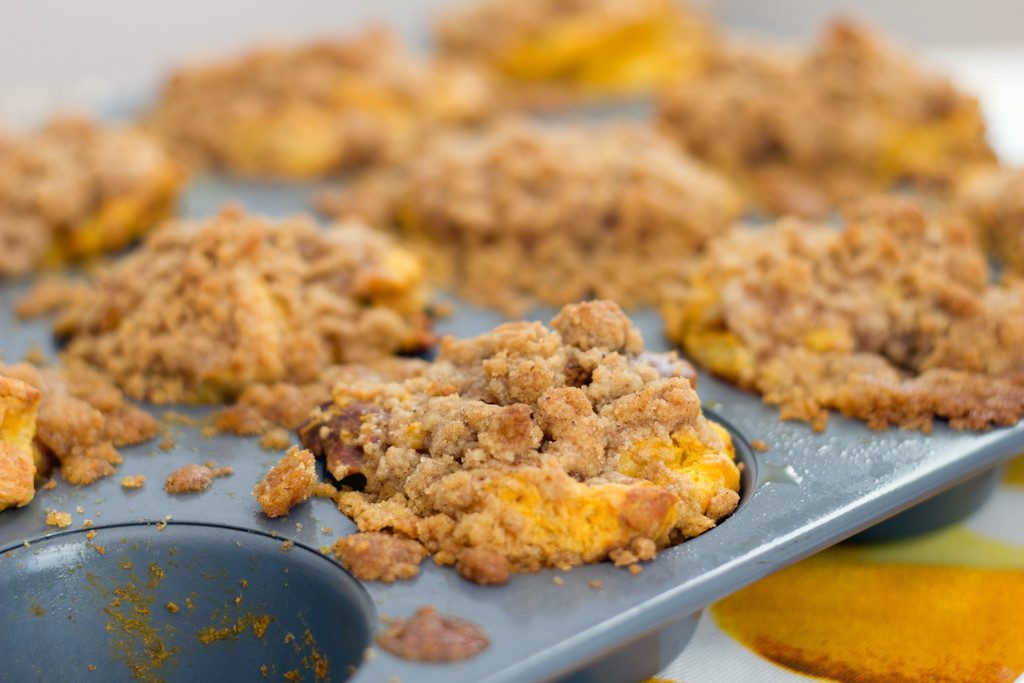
80	510
759	445
596	584
635	569
58	519
134	481
173	608
86	523
50	485
91	535
287	545
276	439
557	581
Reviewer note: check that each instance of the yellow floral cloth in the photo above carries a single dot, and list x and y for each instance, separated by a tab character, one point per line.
942	607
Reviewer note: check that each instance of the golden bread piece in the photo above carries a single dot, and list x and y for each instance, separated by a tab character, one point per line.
581	48
530	447
77	188
19	403
523	213
204	309
310	110
891	320
803	133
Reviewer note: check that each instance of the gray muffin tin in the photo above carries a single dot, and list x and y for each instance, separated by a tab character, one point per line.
808	491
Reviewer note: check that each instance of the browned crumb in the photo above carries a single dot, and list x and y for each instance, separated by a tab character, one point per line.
640	550
204	309
58	519
189	478
50	484
635	569
524	213
313	109
19	405
285	546
290	482
378	556
100	550
80	510
173	608
759	445
806	132
994	204
91	667
545	447
225	471
82	420
428	636
558	581
86	523
596	584
90	535
76	188
323	489
483	566
133	482
276	439
891	320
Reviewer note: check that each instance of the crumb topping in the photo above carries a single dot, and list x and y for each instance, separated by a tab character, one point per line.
891	320
204	309
537	447
194	478
526	213
76	188
804	132
82	420
994	203
377	556
304	111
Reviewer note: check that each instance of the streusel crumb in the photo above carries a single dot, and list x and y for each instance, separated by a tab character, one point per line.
536	447
76	188
290	482
526	213
19	405
891	320
205	309
308	110
803	133
61	520
136	481
994	204
82	420
377	556
429	636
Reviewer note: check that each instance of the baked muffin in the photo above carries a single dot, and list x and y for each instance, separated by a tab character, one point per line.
891	320
579	48
994	204
806	132
313	109
205	309
76	188
523	213
531	447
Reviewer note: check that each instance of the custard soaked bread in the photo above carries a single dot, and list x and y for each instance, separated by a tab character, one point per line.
803	133
205	309
77	188
530	447
891	320
586	48
523	213
309	110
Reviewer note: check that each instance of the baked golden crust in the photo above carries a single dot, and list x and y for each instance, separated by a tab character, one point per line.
81	421
994	203
546	447
891	320
313	109
804	133
290	482
205	309
524	213
555	49
19	403
77	188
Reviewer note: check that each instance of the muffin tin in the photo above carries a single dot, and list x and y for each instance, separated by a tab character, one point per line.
808	491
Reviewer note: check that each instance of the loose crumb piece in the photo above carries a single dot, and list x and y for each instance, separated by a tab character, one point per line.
87	523
191	478
90	535
290	482
377	556
99	549
276	439
91	667
133	482
529	213
759	445
428	636
80	510
58	519
50	484
892	320
173	608
635	569
204	309
369	654
288	545
537	447
596	584
557	581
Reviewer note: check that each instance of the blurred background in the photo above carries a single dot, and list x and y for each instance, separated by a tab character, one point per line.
60	54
